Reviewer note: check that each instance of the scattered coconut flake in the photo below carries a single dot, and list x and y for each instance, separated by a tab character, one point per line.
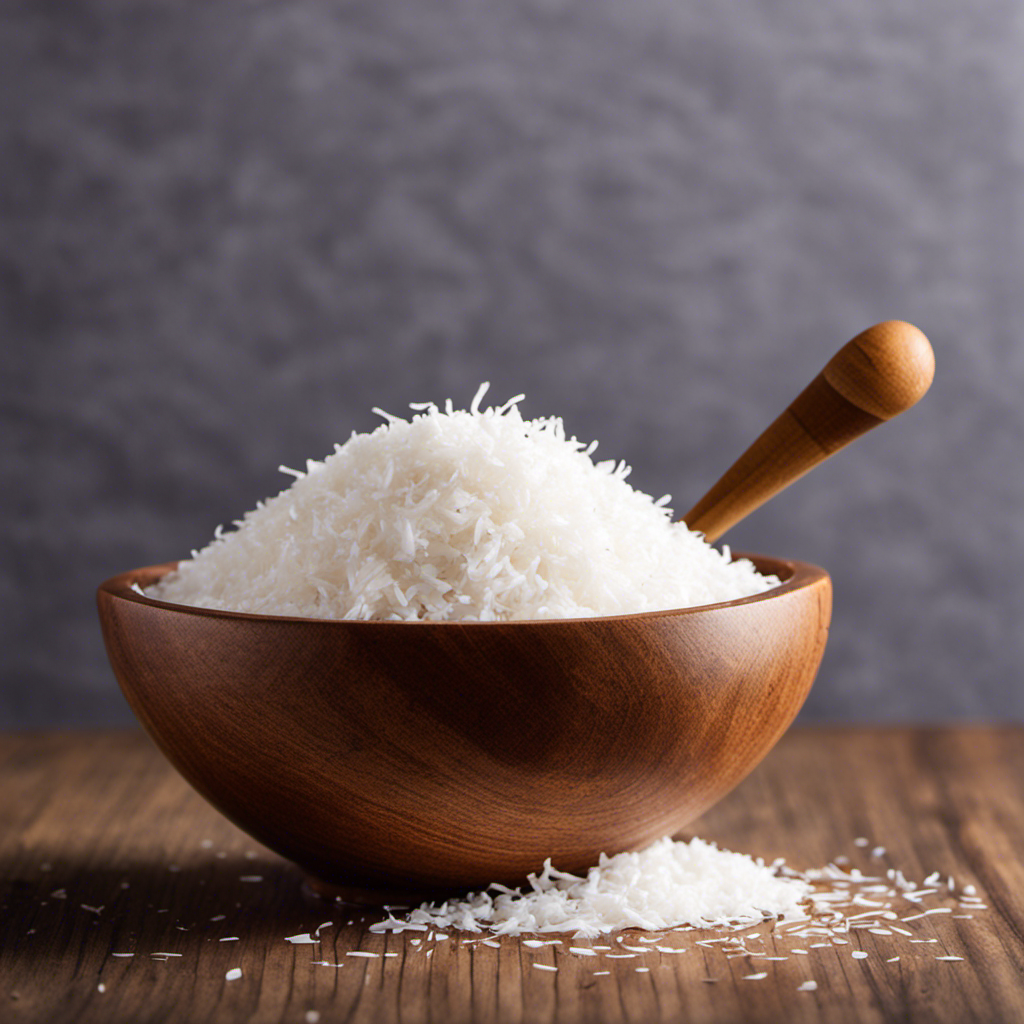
363	953
755	977
234	974
302	939
927	913
122	954
229	938
949	958
393	924
807	986
861	841
859	954
312	1016
545	967
919	894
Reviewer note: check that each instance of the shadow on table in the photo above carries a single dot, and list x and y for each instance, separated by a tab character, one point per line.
150	906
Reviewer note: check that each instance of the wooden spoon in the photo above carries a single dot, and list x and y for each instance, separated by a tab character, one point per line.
876	376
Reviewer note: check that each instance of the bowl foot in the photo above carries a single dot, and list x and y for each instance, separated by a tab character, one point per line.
358	896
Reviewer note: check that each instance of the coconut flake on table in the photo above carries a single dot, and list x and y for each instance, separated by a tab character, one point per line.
668	885
459	515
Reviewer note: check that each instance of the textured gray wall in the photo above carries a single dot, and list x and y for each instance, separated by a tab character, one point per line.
229	229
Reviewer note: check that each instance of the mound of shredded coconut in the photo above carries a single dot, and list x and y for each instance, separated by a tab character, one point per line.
459	515
670	884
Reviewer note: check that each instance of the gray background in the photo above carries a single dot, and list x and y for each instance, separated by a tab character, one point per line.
229	229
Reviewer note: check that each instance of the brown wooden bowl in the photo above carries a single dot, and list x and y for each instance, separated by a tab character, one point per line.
412	757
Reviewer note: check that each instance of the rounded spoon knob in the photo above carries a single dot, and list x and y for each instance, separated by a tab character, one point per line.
876	376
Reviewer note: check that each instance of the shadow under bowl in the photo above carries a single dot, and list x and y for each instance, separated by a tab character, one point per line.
398	758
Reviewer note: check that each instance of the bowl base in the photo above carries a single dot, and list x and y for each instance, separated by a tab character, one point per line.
358	896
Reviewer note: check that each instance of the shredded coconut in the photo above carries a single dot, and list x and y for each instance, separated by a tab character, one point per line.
670	884
459	515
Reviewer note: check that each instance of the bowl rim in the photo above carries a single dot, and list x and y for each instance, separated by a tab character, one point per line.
793	574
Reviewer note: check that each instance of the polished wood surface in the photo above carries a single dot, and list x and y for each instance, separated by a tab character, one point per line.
414	757
876	376
105	850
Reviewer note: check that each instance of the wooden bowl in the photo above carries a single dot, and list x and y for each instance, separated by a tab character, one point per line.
413	757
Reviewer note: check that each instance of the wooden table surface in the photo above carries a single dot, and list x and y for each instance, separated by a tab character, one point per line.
105	851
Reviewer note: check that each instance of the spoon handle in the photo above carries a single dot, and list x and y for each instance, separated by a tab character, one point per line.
873	378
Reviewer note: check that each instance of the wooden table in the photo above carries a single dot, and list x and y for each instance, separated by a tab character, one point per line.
105	851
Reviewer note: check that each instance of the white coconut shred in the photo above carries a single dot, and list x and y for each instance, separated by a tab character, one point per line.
460	515
668	885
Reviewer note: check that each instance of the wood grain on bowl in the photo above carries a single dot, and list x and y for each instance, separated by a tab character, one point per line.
428	756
